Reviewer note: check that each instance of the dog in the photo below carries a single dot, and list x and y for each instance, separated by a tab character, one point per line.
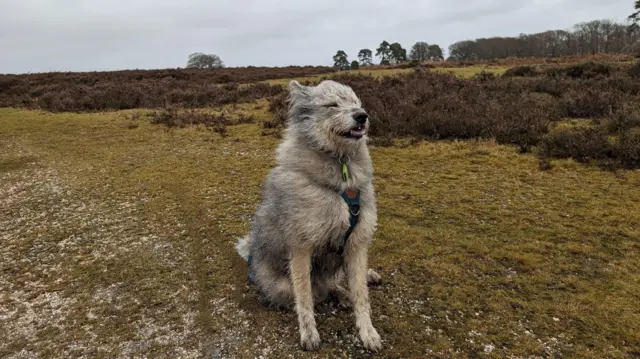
318	215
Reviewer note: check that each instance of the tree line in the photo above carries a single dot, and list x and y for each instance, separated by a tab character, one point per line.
389	53
593	37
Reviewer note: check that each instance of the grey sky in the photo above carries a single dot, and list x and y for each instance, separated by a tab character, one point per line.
86	35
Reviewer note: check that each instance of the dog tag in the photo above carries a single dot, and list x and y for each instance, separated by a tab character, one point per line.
345	172
344	161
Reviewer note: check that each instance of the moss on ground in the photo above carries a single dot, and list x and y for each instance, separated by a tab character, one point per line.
117	241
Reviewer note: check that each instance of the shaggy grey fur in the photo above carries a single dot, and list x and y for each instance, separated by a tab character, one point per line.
302	222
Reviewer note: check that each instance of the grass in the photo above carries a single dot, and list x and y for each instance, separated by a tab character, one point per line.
118	238
470	71
375	73
464	72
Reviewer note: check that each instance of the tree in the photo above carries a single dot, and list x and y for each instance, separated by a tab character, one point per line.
398	53
462	50
435	53
355	65
366	57
384	53
591	37
419	51
340	60
204	61
635	17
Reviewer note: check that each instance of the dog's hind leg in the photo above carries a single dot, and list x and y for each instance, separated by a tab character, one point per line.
356	268
300	268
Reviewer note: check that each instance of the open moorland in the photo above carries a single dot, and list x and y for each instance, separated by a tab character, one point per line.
508	194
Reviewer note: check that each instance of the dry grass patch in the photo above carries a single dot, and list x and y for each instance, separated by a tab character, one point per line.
471	71
376	73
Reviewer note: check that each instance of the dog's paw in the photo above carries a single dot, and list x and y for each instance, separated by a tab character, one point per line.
344	302
343	297
373	278
310	339
370	338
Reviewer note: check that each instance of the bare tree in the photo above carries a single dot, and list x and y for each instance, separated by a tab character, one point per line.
598	36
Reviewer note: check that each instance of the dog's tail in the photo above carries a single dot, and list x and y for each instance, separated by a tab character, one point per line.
243	246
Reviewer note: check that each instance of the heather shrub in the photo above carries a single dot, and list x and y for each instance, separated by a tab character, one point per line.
516	110
522	71
582	144
627	150
634	71
584	70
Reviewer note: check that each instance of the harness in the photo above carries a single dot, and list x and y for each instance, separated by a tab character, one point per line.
352	197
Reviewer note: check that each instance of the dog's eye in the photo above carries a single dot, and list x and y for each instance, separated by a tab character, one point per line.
332	104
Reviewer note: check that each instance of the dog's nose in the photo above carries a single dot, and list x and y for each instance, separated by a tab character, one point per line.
360	117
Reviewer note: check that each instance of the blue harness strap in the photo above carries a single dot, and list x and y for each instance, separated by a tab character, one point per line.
249	264
352	197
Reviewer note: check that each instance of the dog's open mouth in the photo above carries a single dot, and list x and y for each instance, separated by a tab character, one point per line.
356	132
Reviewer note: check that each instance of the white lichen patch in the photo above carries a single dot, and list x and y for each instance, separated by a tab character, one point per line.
63	250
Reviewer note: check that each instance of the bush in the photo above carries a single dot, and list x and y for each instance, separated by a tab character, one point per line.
516	110
628	149
522	71
172	117
484	76
585	70
589	103
99	91
582	144
624	120
112	96
634	71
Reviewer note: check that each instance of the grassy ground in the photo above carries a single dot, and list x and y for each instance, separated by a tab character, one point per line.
374	73
459	71
117	241
469	71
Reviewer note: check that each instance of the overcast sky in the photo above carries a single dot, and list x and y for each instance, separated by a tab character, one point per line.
87	35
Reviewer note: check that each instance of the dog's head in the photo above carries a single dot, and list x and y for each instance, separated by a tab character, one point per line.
330	115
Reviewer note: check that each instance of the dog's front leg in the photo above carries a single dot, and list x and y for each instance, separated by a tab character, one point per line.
300	268
356	268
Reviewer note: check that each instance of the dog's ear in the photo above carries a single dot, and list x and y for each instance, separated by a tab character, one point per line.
295	88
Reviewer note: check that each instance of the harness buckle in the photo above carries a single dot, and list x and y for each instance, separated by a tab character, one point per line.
354	210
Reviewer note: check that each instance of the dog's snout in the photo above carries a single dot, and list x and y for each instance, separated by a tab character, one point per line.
360	117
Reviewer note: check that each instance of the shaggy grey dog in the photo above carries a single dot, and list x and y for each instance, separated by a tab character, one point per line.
318	215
